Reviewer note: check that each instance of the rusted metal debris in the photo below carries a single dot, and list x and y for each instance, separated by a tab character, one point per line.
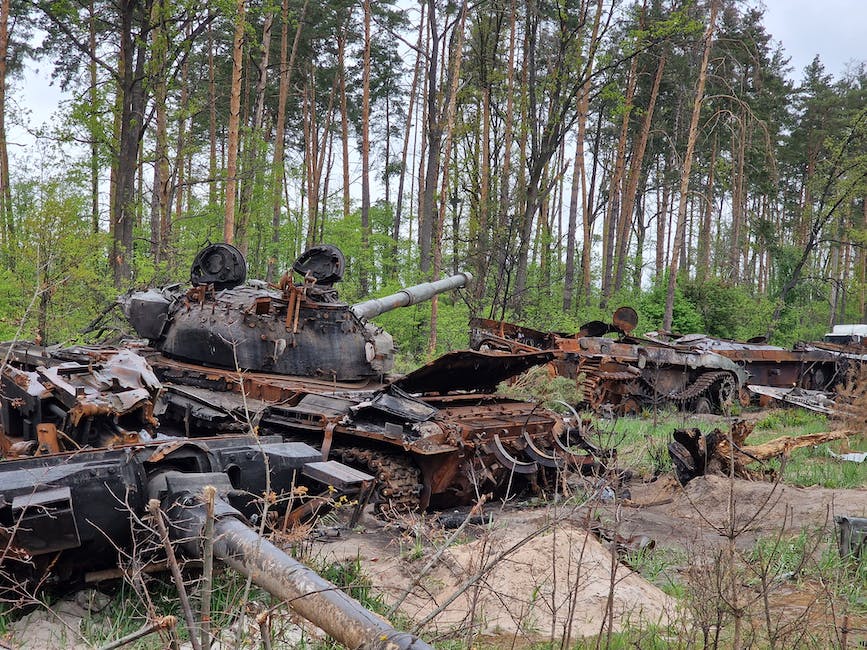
92	431
852	536
695	454
814	400
817	366
627	374
696	372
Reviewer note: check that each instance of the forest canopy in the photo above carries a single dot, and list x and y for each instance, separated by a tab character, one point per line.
574	156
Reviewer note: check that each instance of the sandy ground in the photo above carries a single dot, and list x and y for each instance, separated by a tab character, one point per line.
528	575
534	573
703	512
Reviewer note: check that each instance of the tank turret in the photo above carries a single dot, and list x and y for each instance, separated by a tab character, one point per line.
293	328
316	370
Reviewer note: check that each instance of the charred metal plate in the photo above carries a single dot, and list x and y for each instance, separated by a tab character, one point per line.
325	263
222	265
470	370
330	472
45	521
324	405
394	401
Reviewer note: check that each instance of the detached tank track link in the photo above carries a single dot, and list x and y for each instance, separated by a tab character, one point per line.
399	479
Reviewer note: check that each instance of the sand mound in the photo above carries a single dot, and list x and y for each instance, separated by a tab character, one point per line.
555	583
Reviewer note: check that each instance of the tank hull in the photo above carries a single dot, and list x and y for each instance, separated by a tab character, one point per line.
627	374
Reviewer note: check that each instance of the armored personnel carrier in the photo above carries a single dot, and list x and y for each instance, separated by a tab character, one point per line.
625	374
293	360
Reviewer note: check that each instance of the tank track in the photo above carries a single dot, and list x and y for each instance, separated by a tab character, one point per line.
697	388
596	387
399	479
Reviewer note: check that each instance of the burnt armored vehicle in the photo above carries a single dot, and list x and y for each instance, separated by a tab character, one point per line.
86	474
627	373
292	360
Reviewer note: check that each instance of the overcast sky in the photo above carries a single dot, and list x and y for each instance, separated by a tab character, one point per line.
833	29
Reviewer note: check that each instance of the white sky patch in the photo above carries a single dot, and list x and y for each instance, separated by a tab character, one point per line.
833	29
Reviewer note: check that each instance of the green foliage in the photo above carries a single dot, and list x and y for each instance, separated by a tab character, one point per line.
410	327
813	466
686	318
658	565
537	385
350	577
59	281
805	320
728	311
781	420
642	443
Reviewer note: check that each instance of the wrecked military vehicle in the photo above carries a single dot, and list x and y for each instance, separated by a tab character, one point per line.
80	443
625	374
804	366
85	473
292	360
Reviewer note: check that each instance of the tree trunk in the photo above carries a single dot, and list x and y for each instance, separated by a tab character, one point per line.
344	118
252	165
7	219
704	233
502	227
180	185
687	168
572	225
212	120
628	204
456	55
93	92
738	198
613	214
278	168
427	211
590	209
160	205
398	212
365	147
131	62
234	124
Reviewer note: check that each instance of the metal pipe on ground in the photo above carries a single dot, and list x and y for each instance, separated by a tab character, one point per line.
236	544
313	597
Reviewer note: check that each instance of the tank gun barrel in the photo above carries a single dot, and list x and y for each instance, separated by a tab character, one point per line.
410	295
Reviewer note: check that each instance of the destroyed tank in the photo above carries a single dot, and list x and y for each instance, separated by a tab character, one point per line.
87	476
626	374
292	360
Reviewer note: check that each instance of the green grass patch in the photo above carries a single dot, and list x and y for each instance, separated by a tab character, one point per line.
660	566
642	445
127	611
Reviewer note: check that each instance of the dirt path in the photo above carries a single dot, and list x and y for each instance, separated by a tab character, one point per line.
684	517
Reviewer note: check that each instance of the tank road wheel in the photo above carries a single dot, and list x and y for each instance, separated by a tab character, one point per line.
701	405
398	480
726	393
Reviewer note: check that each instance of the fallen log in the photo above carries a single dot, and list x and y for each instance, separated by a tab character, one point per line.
696	454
